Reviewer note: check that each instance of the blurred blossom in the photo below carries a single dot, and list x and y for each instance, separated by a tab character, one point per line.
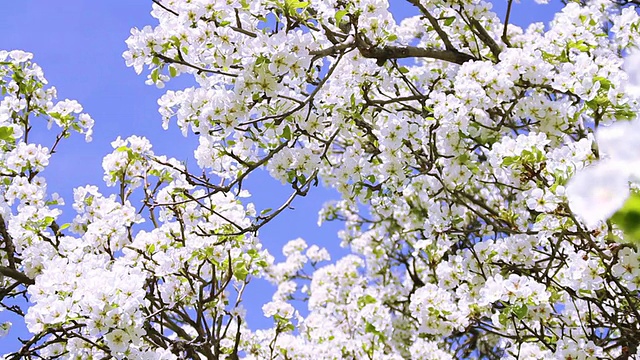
631	66
598	191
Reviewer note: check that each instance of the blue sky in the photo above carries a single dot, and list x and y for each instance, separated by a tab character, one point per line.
79	45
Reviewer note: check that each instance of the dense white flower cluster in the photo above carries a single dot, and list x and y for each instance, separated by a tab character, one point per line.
474	215
113	284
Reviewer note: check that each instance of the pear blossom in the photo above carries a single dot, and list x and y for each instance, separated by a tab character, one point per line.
473	164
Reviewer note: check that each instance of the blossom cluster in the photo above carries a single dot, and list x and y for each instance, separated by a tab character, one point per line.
453	171
465	177
110	278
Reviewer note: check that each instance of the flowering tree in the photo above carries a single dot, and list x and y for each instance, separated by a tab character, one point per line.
453	138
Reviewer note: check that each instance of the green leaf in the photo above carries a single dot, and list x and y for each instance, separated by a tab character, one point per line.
520	311
175	41
624	112
403	69
286	132
262	60
155	75
369	328
365	300
628	218
449	20
339	15
369	194
173	71
297	4
547	56
392	37
240	270
510	160
605	84
580	45
17	76
6	133
503	318
291	175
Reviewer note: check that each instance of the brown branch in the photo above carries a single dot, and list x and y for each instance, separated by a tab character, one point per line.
402	52
16	275
8	243
157	2
434	22
505	39
333	50
180	61
486	38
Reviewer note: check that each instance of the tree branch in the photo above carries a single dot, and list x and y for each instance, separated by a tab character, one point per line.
434	22
486	38
505	39
402	52
16	275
